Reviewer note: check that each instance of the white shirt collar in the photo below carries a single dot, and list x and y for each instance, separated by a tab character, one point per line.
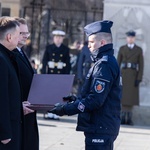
131	45
19	49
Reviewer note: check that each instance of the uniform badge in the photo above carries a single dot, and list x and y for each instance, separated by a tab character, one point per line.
99	86
81	107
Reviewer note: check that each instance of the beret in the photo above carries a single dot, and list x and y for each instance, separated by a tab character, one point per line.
98	26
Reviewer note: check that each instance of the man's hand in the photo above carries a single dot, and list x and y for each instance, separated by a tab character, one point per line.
26	110
58	110
71	98
6	141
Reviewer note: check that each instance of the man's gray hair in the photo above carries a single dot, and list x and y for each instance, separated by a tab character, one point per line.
104	36
7	24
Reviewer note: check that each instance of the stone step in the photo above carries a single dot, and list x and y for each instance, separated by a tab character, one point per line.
141	115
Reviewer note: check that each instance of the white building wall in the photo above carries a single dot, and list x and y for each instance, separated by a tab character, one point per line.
127	15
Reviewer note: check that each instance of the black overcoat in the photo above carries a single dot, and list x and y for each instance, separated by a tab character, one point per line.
31	136
10	101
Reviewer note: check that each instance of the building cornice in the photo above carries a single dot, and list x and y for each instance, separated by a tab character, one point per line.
127	2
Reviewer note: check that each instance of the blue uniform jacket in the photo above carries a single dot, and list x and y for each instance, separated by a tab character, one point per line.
84	63
100	105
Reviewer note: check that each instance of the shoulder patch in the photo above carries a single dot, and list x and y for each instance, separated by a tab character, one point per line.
99	86
81	107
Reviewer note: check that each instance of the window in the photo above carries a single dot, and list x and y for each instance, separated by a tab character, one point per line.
5	11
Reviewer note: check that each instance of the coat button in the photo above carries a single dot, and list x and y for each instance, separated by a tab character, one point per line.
53	54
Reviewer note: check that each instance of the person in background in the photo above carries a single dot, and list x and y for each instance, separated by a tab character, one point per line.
56	59
30	136
100	105
11	112
74	57
130	59
83	66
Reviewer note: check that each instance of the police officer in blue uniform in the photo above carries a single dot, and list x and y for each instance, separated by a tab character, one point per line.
100	106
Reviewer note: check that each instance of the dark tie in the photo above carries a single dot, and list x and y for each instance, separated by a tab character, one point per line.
21	53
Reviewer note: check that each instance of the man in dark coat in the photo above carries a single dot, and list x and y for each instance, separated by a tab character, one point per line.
56	59
130	59
100	105
10	93
83	66
31	136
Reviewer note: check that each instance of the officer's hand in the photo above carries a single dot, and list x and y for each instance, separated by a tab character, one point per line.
58	109
70	98
137	82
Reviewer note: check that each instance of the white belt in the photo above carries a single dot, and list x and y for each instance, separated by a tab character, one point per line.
129	65
58	65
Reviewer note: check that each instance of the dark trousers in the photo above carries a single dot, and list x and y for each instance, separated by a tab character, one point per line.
126	115
99	142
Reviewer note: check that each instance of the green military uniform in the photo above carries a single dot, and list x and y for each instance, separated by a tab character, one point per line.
131	75
131	63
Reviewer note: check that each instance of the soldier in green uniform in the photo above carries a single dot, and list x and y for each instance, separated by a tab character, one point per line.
130	59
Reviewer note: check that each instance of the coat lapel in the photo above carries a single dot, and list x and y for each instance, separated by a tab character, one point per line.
131	53
24	59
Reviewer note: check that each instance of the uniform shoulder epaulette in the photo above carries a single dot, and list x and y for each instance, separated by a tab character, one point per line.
104	59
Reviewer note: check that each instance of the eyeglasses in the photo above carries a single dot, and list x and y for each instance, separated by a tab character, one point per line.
25	33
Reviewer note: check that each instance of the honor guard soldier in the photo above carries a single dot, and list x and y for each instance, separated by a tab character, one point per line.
56	59
100	105
130	59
